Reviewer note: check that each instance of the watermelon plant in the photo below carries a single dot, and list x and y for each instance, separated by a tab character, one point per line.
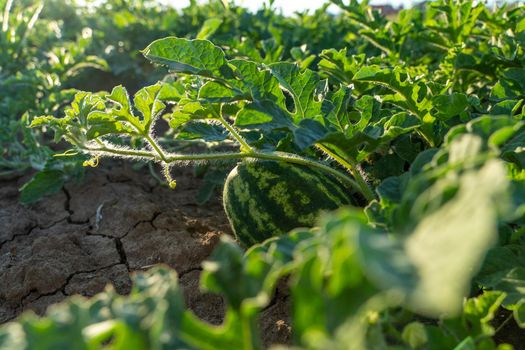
251	93
37	70
412	131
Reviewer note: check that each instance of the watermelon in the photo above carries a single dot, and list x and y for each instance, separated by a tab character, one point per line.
263	199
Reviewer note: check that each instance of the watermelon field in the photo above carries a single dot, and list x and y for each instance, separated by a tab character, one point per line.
211	177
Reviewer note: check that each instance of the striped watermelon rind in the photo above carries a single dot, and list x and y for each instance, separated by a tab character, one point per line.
263	199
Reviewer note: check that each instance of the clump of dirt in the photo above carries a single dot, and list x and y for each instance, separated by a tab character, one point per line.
99	231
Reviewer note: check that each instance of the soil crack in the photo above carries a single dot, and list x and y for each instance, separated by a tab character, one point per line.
67	207
150	221
190	270
62	288
67	203
122	253
30	230
27	233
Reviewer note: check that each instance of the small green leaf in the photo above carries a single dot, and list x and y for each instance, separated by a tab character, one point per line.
210	26
411	95
481	310
264	115
193	130
415	335
504	270
303	88
147	102
215	92
448	106
187	56
42	184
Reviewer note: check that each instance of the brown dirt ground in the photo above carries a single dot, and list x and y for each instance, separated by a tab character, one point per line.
114	222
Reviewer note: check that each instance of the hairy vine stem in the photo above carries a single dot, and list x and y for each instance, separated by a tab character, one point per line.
244	145
168	158
156	147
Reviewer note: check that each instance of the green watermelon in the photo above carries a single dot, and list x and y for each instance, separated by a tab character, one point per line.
263	199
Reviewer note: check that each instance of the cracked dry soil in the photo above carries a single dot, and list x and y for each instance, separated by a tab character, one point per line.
97	232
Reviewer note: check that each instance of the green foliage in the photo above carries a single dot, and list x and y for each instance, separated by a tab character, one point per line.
36	71
421	118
